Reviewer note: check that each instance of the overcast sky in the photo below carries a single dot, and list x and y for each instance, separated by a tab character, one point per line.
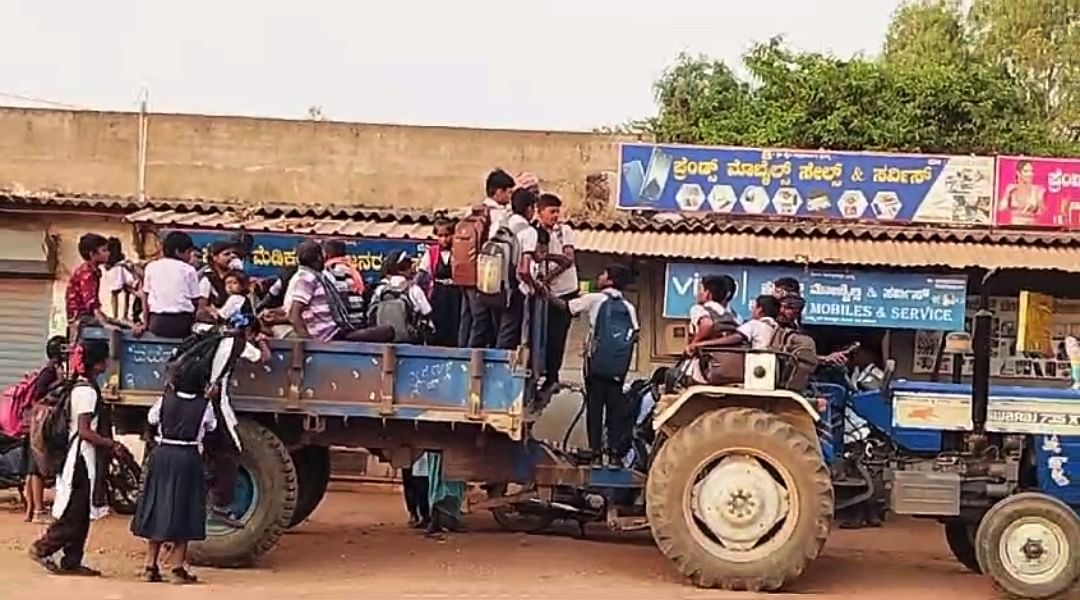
549	64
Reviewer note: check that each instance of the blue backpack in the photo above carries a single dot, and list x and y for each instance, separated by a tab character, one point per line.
613	339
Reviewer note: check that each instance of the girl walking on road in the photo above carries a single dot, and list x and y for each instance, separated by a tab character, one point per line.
172	508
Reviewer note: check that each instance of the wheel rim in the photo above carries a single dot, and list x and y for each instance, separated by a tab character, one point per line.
741	505
1034	550
245	501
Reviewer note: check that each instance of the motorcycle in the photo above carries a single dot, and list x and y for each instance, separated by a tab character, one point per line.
121	480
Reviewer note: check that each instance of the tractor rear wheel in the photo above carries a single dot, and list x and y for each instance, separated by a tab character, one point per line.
961	539
740	500
312	477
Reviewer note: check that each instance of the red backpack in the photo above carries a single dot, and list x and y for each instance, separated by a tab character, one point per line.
15	403
469	235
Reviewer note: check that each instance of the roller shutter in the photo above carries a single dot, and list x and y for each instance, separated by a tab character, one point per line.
24	326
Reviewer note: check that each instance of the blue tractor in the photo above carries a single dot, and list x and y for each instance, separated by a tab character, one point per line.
741	484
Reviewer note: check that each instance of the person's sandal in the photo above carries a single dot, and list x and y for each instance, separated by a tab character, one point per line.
44	561
152	575
79	571
182	576
43	517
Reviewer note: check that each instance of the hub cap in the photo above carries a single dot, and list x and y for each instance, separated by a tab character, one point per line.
1034	550
739	502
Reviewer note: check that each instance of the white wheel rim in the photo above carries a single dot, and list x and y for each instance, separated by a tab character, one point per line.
741	505
1034	550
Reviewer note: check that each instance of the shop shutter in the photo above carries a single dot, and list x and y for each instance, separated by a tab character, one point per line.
24	326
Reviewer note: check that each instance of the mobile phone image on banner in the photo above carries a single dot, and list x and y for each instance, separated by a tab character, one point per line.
633	178
657	175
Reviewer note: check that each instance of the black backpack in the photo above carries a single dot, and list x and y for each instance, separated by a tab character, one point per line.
198	350
50	424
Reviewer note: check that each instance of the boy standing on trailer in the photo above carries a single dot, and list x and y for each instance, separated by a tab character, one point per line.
613	333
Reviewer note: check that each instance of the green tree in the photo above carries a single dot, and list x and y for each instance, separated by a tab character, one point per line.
1038	42
927	31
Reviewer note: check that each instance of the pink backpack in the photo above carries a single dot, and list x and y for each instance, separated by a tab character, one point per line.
15	403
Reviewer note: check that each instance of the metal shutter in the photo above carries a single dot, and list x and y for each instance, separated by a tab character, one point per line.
24	326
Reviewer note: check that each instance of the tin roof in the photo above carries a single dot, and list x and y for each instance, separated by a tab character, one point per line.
757	244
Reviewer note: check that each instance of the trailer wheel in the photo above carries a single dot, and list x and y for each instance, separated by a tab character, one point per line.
265	501
961	539
520	517
738	499
1028	545
312	477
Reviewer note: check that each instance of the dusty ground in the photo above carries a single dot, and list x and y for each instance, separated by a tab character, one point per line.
356	545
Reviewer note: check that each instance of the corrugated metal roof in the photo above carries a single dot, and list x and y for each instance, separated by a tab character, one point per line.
829	250
680	223
231	220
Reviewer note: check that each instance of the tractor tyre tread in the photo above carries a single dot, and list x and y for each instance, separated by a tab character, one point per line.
312	478
998	518
676	463
271	519
960	537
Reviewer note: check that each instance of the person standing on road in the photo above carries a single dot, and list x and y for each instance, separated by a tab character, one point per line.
80	477
172	505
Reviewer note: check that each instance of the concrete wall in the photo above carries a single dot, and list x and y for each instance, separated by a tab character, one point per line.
294	162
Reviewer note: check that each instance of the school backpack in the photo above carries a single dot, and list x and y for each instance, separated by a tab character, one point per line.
469	236
50	425
496	267
15	402
199	349
393	308
611	345
801	357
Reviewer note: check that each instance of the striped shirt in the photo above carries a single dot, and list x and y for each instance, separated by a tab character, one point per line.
306	289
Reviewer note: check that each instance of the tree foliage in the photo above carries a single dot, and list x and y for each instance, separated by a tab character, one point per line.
932	90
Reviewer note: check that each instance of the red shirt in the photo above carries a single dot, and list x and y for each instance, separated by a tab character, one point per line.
82	291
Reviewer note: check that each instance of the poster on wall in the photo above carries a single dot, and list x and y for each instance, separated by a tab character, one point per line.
833	296
1005	360
895	188
1038	192
274	252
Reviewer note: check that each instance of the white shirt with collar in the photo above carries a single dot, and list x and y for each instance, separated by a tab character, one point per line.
497	212
591	302
562	238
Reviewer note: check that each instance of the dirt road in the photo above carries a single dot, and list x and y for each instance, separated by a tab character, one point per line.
356	545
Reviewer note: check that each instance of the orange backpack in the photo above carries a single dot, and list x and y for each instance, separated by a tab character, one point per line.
469	235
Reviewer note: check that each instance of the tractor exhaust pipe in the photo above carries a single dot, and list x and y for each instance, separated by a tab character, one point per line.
980	373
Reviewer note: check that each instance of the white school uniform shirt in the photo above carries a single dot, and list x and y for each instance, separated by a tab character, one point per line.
251	354
700	311
209	421
562	238
758	332
417	297
83	399
171	286
590	304
497	213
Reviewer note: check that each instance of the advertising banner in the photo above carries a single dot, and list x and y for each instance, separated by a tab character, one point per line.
889	188
833	296
1038	192
274	252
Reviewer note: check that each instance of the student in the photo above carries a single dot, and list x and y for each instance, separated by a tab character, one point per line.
757	332
397	302
445	297
171	288
172	505
55	370
414	482
562	277
79	478
484	326
82	296
519	224
224	259
223	444
710	317
346	279
125	279
237	301
605	407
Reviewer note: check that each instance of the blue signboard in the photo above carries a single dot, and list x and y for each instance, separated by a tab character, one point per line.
796	183
834	296
274	252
